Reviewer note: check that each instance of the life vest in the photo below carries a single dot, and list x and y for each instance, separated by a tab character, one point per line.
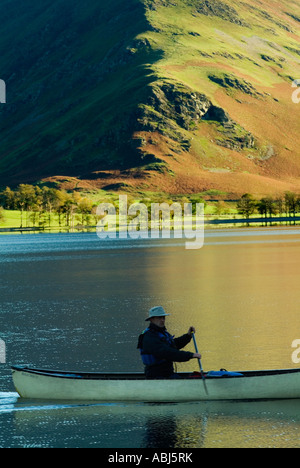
150	359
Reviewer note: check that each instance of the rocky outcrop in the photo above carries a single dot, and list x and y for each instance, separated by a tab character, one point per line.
171	109
175	110
232	83
179	103
217	8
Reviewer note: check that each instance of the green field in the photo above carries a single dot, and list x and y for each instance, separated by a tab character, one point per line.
15	219
12	219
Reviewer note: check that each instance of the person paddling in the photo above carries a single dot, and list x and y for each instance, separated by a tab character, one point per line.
159	350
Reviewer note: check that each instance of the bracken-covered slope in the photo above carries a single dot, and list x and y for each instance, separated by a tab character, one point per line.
161	95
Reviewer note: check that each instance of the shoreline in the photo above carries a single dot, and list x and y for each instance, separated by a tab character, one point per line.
217	224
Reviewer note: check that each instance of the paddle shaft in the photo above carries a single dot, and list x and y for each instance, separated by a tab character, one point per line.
199	360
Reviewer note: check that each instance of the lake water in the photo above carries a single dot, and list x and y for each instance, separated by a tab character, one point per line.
75	302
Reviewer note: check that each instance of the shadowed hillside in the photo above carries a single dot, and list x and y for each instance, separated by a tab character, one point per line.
75	72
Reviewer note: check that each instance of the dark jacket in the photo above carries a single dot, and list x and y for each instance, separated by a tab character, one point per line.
159	345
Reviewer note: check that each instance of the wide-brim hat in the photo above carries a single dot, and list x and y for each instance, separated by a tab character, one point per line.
156	312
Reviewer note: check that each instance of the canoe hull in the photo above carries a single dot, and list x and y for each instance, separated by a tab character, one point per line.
53	385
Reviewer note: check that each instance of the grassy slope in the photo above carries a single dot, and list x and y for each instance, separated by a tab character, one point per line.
76	73
264	52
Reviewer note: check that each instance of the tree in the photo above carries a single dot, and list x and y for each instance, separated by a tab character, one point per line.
221	208
267	207
49	200
25	197
291	204
85	208
69	208
8	199
62	198
279	205
246	205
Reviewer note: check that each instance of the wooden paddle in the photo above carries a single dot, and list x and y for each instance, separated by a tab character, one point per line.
200	365
199	360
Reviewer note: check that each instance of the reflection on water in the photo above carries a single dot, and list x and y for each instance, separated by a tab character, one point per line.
189	425
73	302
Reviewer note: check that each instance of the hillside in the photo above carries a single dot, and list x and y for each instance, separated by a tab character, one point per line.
157	95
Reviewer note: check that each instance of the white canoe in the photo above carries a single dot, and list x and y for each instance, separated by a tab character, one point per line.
61	385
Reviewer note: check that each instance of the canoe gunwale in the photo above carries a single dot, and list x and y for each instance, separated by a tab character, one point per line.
141	376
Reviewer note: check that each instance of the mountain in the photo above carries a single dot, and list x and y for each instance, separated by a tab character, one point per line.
182	96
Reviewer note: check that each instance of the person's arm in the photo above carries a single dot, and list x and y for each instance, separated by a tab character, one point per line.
183	340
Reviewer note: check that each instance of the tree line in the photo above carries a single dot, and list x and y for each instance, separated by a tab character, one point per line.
287	205
37	205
